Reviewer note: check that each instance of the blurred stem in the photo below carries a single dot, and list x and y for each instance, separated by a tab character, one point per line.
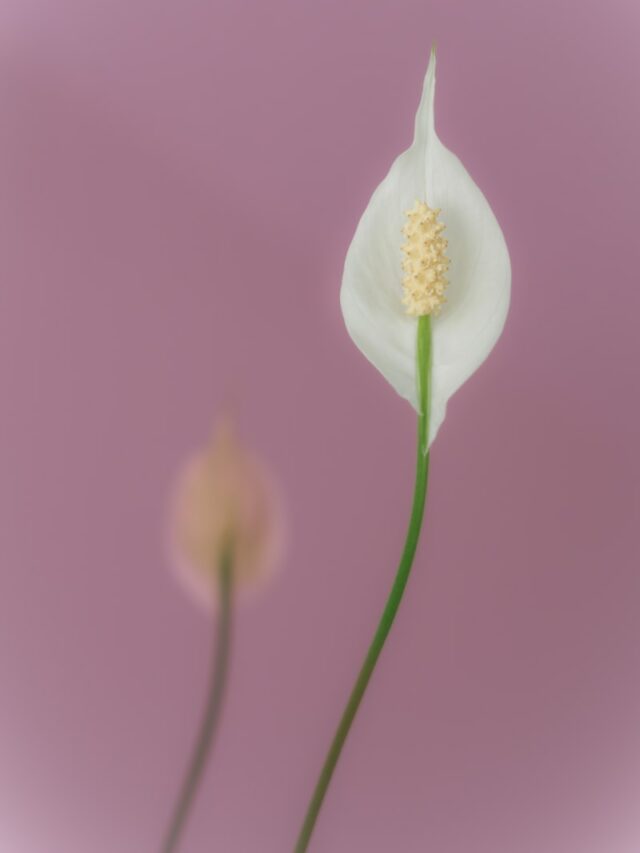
423	356
211	715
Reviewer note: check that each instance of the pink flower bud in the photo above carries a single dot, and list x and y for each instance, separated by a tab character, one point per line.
226	498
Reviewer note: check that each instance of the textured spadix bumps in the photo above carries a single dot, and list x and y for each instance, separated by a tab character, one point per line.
425	263
385	290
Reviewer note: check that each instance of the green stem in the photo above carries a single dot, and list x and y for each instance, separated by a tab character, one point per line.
397	590
211	716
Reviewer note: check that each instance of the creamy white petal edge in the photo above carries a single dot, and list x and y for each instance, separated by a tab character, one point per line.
472	319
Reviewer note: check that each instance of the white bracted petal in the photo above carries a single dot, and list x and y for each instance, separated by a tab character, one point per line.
473	316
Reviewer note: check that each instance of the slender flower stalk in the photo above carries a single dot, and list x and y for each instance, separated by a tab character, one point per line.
228	536
425	312
213	707
423	350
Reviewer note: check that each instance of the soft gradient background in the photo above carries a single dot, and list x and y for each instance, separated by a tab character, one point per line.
179	184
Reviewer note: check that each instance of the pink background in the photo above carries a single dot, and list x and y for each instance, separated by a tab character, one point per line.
179	184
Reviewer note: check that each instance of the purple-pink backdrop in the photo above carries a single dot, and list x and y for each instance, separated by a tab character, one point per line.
179	184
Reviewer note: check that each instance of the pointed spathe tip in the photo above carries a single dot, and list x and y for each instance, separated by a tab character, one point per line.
431	67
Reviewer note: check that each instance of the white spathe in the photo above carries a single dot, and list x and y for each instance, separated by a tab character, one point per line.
473	316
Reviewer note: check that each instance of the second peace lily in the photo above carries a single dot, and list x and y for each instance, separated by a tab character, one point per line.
425	295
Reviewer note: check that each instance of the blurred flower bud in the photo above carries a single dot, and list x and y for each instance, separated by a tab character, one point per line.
226	501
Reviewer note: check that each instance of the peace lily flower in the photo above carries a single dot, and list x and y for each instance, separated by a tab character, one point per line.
453	267
226	498
425	294
227	535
